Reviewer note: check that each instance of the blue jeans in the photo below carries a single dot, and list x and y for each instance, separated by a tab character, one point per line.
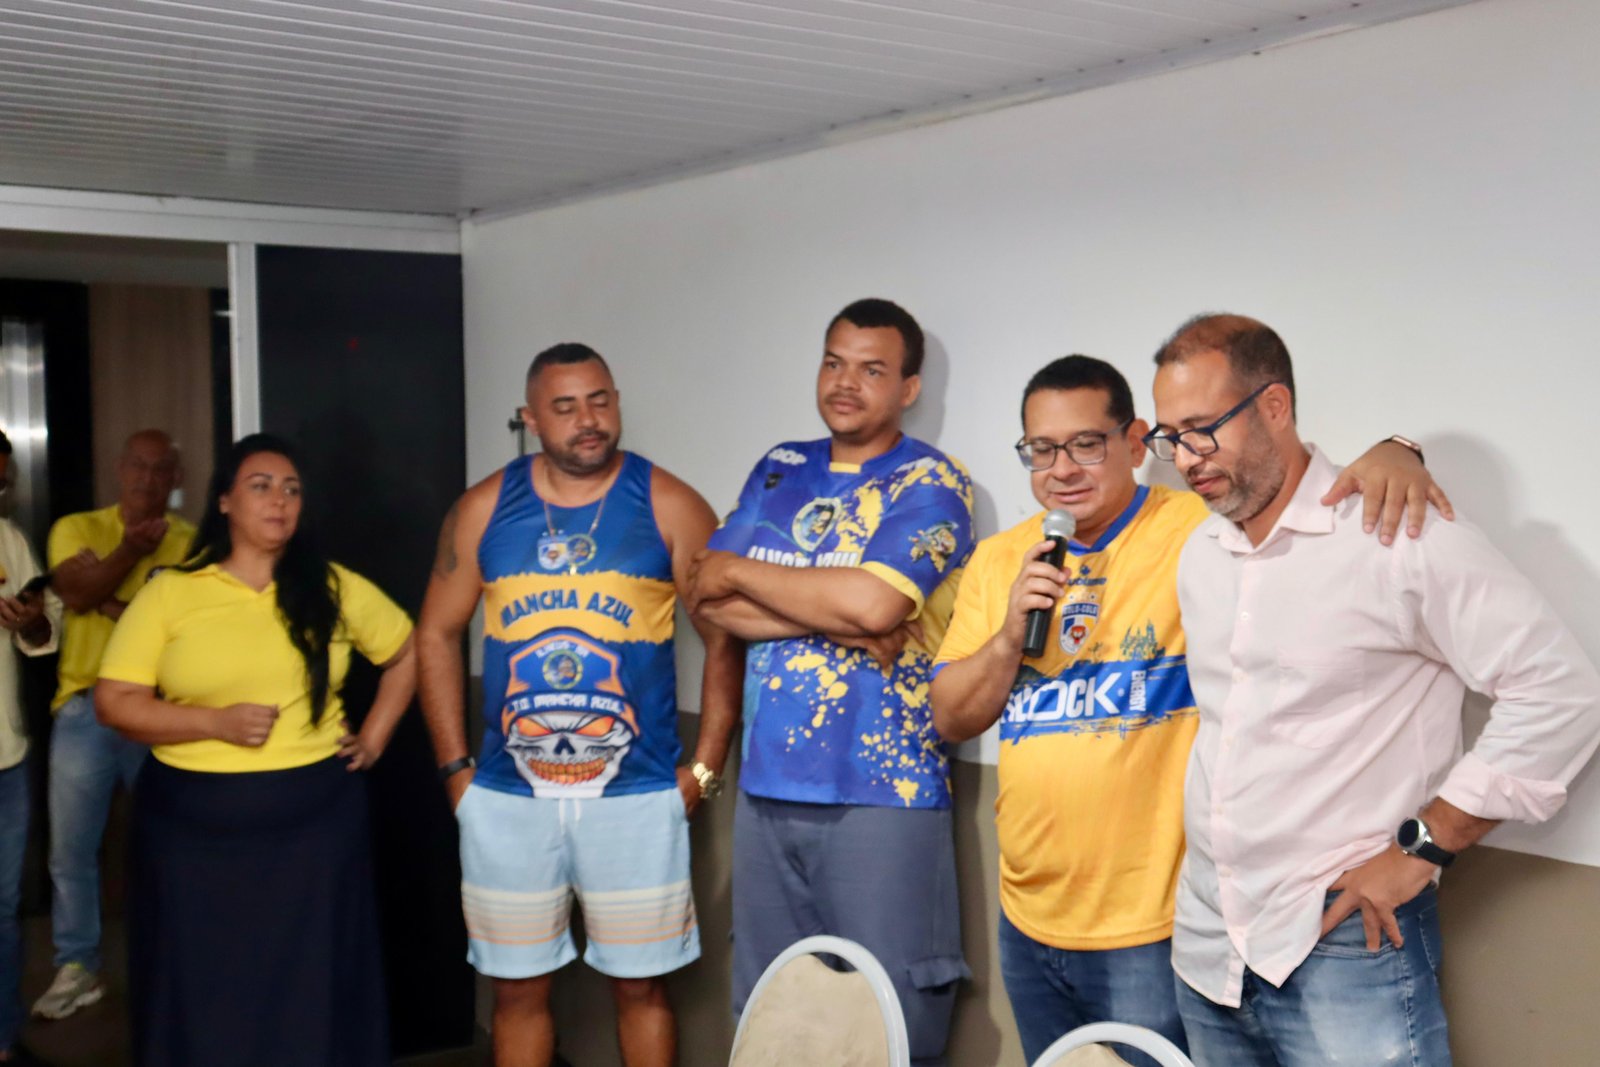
1054	991
14	806
86	761
1344	1004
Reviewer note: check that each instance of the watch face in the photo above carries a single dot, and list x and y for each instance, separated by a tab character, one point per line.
1410	833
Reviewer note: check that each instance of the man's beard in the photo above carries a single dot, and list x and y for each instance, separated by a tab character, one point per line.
569	461
1253	482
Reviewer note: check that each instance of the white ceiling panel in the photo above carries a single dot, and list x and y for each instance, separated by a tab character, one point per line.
457	106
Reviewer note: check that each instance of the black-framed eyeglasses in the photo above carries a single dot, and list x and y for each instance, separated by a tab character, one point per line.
1085	449
1200	440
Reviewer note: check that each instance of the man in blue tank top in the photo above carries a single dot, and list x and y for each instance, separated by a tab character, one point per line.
840	565
578	554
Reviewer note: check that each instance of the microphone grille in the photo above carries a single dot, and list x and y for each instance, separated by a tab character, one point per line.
1060	524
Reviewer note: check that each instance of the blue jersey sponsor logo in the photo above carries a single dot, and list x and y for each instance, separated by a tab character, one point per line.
1118	696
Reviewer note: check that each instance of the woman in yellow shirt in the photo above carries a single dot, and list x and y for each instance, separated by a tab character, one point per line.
254	938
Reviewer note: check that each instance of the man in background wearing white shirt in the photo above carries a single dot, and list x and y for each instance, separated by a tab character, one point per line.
31	623
1327	785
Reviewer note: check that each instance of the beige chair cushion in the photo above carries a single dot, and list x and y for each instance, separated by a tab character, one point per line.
1091	1056
810	1015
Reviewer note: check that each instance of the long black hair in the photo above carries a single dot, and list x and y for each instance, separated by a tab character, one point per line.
308	588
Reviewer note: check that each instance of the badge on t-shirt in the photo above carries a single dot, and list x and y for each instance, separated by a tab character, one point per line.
937	544
812	522
1077	620
567	720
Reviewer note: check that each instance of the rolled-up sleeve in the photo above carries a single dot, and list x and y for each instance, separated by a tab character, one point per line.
1469	607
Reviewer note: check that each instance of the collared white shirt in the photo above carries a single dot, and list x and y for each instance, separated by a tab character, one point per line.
1329	671
18	566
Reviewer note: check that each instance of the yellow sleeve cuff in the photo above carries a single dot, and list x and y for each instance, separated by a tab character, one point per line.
385	655
900	583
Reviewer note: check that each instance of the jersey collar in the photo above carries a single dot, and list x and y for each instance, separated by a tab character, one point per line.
1110	533
877	463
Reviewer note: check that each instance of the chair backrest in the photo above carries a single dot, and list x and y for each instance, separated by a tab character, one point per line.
1149	1042
804	1014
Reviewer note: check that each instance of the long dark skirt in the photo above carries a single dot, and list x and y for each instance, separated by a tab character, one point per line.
254	938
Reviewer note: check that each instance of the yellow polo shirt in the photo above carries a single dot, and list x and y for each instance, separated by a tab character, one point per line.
206	639
88	631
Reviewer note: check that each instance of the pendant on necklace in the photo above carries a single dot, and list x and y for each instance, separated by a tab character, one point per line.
580	550
557	549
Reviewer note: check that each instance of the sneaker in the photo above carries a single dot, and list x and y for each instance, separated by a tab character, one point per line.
75	987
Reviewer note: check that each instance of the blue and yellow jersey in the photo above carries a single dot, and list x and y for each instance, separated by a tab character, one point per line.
1095	736
823	723
580	692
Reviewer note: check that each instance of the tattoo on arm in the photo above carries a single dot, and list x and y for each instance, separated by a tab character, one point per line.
444	561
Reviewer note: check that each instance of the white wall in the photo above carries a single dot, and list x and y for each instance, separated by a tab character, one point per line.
1411	206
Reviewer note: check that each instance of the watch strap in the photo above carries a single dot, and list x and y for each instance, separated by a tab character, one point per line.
1435	855
455	767
1407	442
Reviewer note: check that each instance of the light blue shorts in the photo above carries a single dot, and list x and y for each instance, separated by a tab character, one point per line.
625	859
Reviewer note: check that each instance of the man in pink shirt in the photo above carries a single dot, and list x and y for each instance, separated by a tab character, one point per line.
1327	785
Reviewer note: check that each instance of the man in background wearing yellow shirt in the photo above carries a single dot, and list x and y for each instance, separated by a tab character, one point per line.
1095	732
99	560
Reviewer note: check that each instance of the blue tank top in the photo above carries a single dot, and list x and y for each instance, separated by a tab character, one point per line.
579	686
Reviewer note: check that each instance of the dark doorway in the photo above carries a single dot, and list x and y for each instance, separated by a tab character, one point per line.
361	365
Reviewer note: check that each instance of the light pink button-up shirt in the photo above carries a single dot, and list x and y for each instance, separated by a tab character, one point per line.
1329	672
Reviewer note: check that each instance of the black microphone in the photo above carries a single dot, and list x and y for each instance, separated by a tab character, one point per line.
1059	526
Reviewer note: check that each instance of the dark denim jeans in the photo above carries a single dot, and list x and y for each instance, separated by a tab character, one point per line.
13	845
1344	1004
1054	991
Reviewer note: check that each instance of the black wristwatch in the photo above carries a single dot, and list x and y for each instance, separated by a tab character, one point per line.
1415	840
456	766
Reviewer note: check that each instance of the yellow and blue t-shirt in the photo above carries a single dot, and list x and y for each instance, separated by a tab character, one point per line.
87	632
206	639
579	685
823	723
1095	737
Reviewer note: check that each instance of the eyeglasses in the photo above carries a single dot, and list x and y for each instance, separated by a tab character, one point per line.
1086	449
1201	440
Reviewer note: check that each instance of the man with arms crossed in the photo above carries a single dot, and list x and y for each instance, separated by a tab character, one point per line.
578	553
1095	733
99	560
1327	785
843	822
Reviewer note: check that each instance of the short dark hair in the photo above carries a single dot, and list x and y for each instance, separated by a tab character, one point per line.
565	353
874	313
1256	354
1084	372
5	444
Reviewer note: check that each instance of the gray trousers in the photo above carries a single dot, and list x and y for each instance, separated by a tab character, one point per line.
882	877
